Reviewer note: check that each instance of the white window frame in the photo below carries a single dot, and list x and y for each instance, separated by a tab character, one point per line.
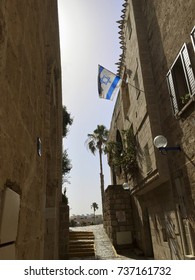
188	74
192	35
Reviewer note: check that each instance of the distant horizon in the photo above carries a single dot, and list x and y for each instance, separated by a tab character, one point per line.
86	214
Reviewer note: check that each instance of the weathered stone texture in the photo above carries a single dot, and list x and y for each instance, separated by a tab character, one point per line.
117	213
29	46
163	198
64	232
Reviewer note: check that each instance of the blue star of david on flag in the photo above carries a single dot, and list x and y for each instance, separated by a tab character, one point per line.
105	80
108	83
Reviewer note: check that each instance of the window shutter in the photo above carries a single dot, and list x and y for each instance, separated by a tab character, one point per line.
188	70
172	93
193	37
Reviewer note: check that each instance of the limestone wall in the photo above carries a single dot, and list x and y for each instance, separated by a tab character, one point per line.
30	110
118	221
168	28
64	232
163	199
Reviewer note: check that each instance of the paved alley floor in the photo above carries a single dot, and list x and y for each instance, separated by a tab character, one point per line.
104	249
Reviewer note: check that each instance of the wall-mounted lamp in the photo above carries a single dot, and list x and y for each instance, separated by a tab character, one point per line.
160	142
126	186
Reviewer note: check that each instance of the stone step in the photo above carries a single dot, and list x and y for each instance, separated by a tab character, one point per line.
81	244
81	254
81	237
82	233
81	249
75	234
81	241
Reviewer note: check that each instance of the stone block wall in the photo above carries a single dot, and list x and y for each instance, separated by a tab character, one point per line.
31	111
118	221
168	28
163	199
64	232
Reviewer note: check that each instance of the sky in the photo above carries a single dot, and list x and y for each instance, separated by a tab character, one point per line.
88	37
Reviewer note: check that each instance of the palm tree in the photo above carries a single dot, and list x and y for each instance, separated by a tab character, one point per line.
97	141
94	205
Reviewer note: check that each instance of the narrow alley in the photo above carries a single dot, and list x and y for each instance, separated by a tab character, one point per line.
104	249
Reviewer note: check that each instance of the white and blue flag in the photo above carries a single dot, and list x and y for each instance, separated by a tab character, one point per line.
108	83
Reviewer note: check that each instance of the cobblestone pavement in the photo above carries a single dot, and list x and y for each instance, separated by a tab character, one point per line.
104	249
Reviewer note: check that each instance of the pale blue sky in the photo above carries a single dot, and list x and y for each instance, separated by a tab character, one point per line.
89	36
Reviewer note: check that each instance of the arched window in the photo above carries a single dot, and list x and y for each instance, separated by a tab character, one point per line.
120	145
125	95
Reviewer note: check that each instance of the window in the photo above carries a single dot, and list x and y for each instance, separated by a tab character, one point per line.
147	159
119	141
192	34
180	80
129	28
137	86
164	235
181	196
125	96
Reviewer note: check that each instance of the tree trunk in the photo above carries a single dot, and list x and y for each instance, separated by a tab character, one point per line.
101	179
94	216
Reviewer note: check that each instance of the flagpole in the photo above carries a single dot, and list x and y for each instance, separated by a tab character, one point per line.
133	86
110	82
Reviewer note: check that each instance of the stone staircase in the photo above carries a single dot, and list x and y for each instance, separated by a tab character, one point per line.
81	245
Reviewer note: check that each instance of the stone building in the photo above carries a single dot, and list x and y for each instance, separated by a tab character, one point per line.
157	97
30	129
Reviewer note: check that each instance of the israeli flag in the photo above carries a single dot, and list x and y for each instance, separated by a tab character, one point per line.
108	83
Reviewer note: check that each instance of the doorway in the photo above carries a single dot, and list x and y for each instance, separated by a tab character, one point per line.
147	235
